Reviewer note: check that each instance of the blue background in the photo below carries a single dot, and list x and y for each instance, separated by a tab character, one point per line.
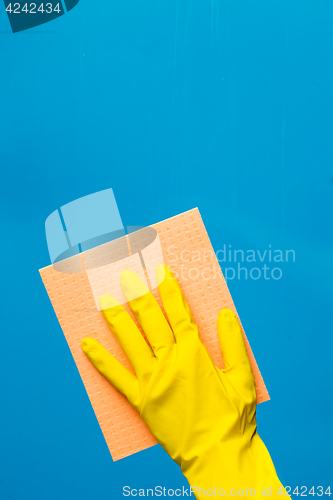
224	105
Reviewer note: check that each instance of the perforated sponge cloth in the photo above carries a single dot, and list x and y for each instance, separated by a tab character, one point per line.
189	254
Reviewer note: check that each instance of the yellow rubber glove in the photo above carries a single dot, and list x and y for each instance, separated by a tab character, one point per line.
204	417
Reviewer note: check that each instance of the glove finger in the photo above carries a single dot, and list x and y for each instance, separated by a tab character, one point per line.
119	376
232	345
146	310
127	334
174	303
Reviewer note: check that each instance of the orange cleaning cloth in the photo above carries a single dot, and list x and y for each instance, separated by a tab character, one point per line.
189	254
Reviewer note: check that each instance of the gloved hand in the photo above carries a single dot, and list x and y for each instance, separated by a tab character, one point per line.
203	416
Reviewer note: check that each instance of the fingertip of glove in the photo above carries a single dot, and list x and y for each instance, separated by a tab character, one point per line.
163	272
132	285
127	274
160	273
107	302
226	315
87	344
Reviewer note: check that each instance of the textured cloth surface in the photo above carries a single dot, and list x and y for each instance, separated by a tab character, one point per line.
188	252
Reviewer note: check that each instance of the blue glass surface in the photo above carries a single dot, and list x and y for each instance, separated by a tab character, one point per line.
222	105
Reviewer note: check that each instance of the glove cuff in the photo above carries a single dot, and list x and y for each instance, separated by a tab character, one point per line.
233	469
